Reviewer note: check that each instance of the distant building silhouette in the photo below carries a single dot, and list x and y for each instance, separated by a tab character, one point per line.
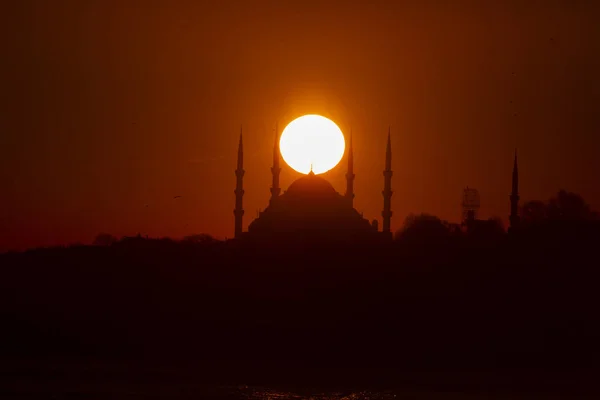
514	197
311	207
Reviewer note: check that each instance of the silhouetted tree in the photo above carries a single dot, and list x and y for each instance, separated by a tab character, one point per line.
533	211
565	206
104	239
423	227
568	206
490	230
200	238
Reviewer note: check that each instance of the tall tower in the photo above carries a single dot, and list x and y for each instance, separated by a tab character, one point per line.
239	189
514	196
350	175
387	187
275	169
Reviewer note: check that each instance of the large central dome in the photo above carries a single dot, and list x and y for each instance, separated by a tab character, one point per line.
311	185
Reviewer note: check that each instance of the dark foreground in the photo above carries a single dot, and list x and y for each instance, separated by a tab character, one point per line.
474	315
70	379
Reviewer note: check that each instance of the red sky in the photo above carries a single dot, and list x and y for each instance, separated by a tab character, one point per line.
106	106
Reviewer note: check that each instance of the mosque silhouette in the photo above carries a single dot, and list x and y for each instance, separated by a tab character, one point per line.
311	207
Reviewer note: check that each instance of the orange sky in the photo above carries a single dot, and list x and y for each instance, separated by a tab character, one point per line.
110	105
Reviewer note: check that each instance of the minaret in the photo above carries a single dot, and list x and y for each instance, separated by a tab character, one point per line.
387	187
239	189
350	174
514	196
275	169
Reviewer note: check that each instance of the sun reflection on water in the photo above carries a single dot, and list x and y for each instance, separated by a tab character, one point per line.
256	393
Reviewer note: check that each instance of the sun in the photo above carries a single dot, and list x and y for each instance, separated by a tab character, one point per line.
312	141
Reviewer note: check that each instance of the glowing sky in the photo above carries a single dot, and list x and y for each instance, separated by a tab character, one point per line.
109	106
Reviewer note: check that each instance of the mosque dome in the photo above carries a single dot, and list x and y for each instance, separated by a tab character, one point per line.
311	185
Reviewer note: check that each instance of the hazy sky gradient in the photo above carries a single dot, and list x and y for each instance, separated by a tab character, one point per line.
106	106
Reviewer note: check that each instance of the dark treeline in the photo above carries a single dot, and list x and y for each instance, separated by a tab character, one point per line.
435	298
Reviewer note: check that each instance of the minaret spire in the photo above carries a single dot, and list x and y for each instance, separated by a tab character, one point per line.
275	169
350	174
514	196
387	187
239	189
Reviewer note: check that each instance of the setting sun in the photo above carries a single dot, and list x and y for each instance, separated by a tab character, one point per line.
312	141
